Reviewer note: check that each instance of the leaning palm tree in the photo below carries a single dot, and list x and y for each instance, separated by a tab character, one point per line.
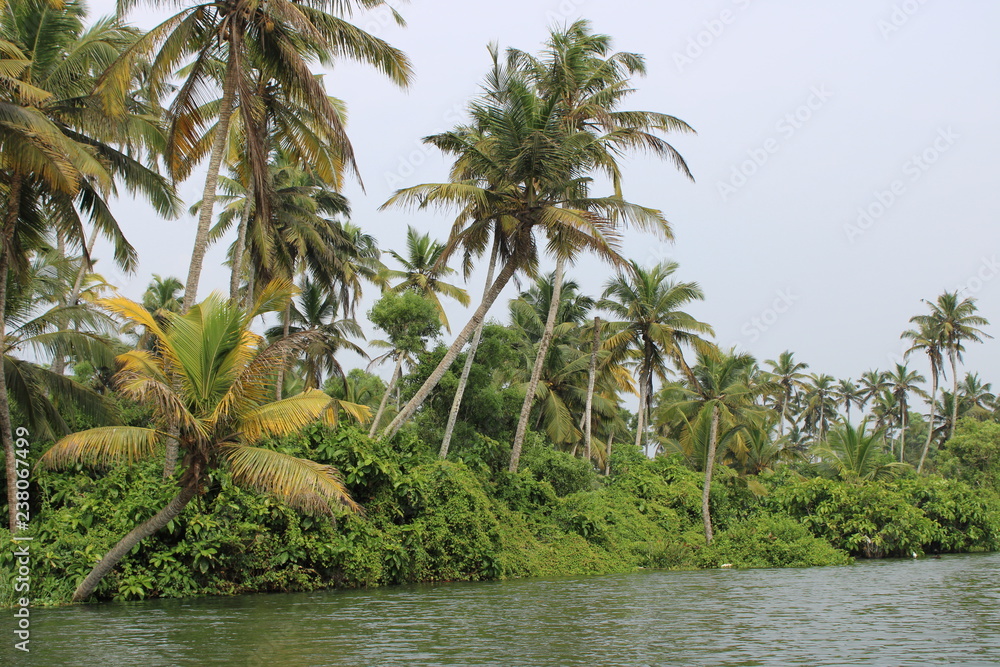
210	382
788	373
927	337
252	42
652	327
956	322
423	271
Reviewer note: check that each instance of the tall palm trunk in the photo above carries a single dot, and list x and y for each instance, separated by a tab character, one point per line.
286	327
954	395
930	426
59	361
706	510
607	454
536	371
784	413
591	379
141	532
903	415
396	372
456	403
432	380
6	430
640	419
209	193
238	250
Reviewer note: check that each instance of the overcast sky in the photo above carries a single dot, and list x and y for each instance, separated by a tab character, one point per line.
845	162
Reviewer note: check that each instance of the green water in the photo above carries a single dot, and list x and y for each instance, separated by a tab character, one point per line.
921	612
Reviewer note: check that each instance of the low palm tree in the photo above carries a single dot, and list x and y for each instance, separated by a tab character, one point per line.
904	382
927	337
820	404
871	383
853	453
210	381
848	394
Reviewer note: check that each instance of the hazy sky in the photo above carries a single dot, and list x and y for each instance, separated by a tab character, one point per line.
845	161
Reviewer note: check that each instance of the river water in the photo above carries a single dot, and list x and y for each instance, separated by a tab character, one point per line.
916	612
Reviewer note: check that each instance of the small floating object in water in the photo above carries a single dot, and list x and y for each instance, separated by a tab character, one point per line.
914	554
725	565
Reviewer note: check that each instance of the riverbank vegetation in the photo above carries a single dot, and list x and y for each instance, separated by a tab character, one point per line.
184	446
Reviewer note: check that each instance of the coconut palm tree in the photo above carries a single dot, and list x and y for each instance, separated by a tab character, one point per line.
253	43
652	327
976	396
902	383
518	171
872	385
848	394
926	337
315	311
423	271
788	374
210	381
59	157
956	322
721	388
820	404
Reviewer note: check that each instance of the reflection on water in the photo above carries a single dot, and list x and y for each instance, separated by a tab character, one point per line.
918	612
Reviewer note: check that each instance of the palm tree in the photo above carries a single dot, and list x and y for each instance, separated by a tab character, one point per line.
517	170
820	404
423	271
316	313
252	43
724	394
873	384
848	394
902	383
652	326
788	374
60	157
956	322
976	396
209	379
852	452
926	337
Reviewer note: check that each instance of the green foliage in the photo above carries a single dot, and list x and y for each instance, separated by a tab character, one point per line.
407	318
769	541
567	474
973	455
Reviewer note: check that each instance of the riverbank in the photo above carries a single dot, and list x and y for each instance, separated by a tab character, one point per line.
427	520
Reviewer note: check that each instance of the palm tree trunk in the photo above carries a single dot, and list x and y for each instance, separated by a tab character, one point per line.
388	391
6	430
591	379
536	371
640	418
141	532
209	193
239	249
59	361
930	426
286	327
903	414
607	454
784	414
432	380
456	403
706	511
954	395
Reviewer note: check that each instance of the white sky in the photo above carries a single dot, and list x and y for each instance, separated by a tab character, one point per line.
897	105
